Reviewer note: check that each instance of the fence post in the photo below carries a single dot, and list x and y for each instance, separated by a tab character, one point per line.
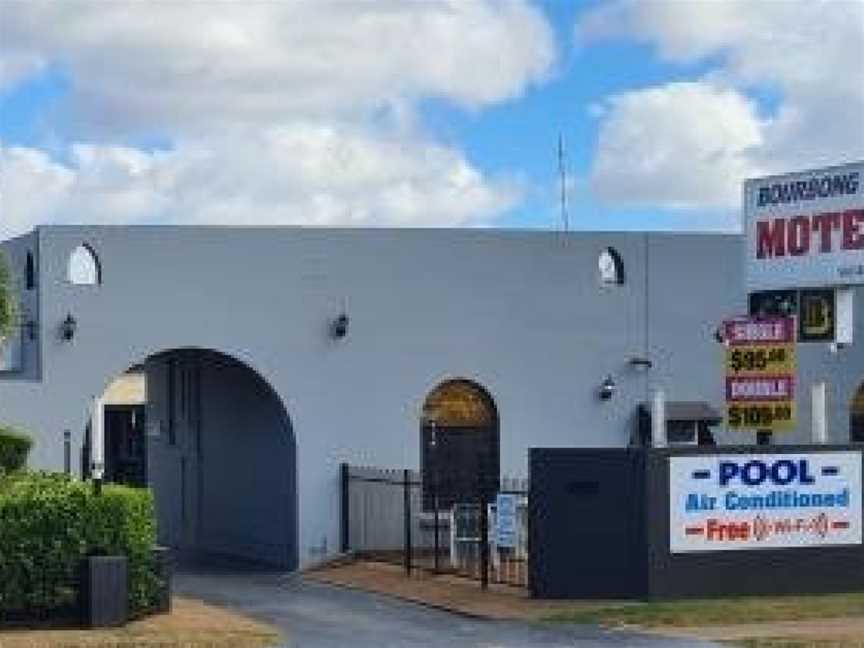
435	503
346	503
406	487
484	536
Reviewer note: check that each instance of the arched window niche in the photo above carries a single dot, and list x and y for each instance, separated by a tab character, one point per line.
611	267
459	444
84	267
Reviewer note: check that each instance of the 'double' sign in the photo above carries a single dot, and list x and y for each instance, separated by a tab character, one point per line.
805	230
763	501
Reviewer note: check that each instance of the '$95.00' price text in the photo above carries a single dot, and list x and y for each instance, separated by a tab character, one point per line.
757	359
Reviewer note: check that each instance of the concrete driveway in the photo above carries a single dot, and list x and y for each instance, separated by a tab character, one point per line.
315	615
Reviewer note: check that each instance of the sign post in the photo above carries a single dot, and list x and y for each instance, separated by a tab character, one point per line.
97	431
760	374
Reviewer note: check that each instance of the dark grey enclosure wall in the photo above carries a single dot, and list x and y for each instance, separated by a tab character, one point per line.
586	523
599	527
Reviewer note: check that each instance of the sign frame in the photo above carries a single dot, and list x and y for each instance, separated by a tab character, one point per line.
791	516
760	373
506	520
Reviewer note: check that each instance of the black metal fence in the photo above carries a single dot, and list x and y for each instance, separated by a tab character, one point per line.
423	522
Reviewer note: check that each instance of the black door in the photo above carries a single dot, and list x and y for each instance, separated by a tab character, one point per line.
125	445
456	464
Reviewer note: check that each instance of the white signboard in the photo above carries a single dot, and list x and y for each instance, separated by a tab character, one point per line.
505	520
764	501
805	230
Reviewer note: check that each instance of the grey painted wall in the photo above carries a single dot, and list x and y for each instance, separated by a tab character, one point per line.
522	313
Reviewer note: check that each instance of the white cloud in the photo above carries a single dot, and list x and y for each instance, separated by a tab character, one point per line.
303	111
809	54
678	145
299	174
186	63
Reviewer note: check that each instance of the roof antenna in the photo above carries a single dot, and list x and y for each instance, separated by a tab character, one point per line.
562	172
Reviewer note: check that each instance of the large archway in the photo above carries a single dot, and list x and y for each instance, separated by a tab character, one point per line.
856	416
220	455
459	443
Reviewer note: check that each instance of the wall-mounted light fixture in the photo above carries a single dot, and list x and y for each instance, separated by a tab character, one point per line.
607	388
339	327
68	327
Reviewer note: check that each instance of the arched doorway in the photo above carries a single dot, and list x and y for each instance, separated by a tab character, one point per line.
220	455
459	443
856	416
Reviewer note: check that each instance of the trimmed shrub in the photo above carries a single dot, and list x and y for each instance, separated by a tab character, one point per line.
14	448
49	522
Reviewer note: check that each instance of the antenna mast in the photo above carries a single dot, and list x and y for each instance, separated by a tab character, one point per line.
562	172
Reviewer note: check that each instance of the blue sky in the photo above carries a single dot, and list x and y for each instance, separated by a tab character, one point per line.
439	113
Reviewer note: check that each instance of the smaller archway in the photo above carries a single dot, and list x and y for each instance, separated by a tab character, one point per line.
459	444
84	267
856	416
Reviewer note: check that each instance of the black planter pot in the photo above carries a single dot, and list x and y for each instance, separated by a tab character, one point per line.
103	593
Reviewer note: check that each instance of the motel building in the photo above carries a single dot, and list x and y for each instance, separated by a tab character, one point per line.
239	367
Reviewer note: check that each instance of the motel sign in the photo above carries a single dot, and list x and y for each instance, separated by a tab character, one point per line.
805	229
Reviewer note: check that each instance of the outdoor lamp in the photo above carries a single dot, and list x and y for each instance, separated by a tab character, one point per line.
607	388
31	328
339	327
68	328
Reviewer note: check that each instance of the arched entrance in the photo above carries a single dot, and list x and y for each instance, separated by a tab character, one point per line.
220	456
856	416
459	443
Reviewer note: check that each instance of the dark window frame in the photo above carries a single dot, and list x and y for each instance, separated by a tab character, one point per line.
30	272
172	402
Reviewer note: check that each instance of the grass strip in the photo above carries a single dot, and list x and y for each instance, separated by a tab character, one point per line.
716	611
191	624
851	642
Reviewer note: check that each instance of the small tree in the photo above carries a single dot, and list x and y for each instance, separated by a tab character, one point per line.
8	301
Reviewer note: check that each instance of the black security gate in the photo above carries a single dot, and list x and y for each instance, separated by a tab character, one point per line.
473	527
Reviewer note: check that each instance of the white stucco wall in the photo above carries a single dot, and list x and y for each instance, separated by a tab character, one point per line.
521	313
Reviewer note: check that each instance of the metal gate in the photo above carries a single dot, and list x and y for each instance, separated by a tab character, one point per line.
398	516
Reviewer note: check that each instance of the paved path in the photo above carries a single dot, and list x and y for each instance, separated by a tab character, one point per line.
315	615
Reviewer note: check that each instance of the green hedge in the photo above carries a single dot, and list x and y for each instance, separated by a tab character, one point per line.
14	448
49	521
